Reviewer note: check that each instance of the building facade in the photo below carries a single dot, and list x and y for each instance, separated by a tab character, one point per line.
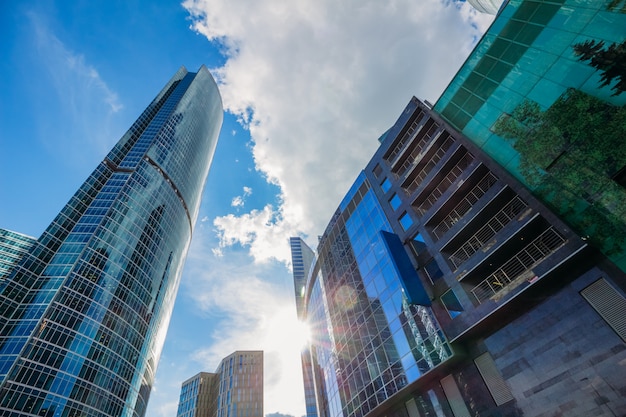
302	258
197	397
234	390
12	247
543	94
85	312
443	287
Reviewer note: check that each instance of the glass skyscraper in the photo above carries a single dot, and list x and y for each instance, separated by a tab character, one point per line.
234	390
85	312
302	258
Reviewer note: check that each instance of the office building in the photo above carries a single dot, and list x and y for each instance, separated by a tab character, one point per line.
443	287
543	94
85	312
234	390
196	396
302	258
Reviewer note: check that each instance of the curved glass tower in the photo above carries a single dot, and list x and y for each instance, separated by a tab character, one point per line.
84	315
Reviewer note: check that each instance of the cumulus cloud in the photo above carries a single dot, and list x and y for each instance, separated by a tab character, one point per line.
240	200
317	82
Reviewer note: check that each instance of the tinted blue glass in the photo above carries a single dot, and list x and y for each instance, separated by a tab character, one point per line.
113	258
386	185
395	202
406	221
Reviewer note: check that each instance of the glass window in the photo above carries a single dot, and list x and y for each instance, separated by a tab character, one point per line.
418	245
395	202
378	170
451	303
406	221
432	270
386	185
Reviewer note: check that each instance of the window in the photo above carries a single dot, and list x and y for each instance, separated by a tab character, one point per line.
418	245
395	202
378	170
386	185
433	271
451	303
406	221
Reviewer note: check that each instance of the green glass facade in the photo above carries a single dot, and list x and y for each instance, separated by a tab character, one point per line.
85	312
543	94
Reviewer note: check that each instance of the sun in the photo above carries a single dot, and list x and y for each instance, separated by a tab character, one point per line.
285	333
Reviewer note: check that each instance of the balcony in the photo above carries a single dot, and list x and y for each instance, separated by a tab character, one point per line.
412	129
465	205
452	175
519	268
421	148
484	235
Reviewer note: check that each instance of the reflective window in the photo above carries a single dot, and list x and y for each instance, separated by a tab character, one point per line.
395	202
418	245
432	270
406	221
451	303
386	185
378	170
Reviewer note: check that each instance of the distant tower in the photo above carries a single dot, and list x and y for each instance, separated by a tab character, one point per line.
197	397
234	390
85	312
302	257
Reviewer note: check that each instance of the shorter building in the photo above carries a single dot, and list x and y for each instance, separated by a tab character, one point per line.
195	396
234	390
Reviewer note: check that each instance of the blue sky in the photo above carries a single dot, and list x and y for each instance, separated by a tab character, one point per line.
308	86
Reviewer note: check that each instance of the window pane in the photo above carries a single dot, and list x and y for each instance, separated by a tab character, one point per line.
451	303
395	202
406	221
386	185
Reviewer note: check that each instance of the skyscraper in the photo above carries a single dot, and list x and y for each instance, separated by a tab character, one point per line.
442	287
85	312
234	390
302	258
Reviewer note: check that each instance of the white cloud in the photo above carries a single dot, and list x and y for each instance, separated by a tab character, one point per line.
317	82
237	201
240	200
80	92
248	311
265	232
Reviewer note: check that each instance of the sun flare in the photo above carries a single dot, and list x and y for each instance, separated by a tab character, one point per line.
285	333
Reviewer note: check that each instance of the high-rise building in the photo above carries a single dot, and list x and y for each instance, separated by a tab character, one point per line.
85	312
543	94
197	398
302	258
234	390
12	247
482	272
443	287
